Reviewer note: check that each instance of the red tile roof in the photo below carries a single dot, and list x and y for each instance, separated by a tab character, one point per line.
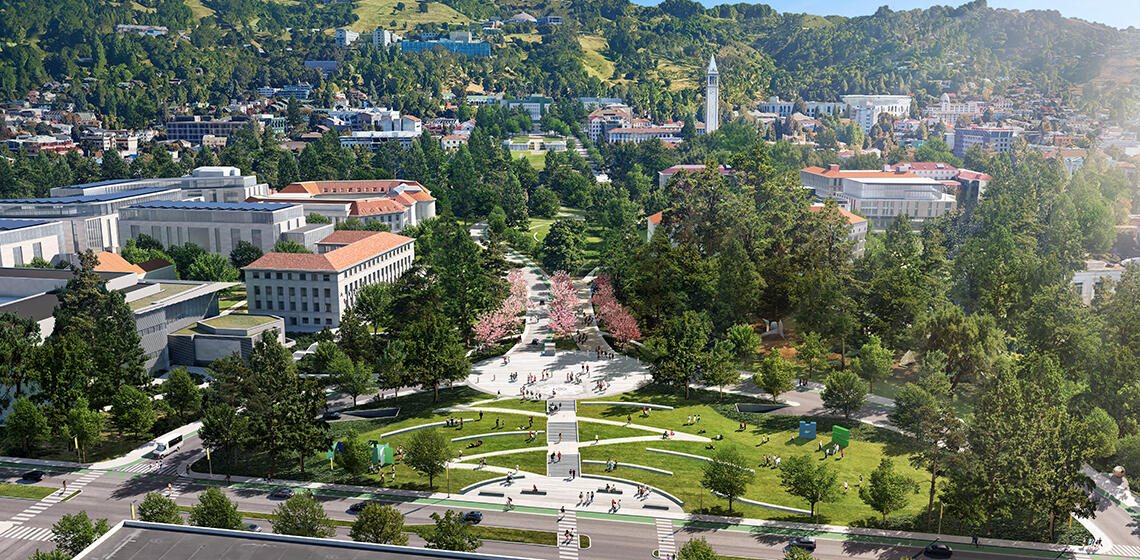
346	236
968	175
851	218
655	218
376	206
154	264
342	187
925	165
340	259
111	262
857	174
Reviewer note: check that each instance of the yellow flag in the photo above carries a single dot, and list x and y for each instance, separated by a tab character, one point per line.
76	442
207	453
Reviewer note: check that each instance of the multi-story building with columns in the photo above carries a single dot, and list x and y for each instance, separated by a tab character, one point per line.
311	291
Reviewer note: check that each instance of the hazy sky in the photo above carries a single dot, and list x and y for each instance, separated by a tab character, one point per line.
1118	13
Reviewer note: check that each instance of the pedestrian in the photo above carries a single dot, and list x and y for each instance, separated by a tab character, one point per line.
480	415
844	486
510	504
65	487
559	456
698	419
974	541
559	437
595	439
860	480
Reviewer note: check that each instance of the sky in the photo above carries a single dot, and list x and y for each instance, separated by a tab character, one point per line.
1117	13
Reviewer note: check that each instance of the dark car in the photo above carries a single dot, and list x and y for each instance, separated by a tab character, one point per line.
282	493
937	550
331	415
805	543
473	517
34	476
359	506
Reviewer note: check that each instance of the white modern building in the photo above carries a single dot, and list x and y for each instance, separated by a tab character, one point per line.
88	221
311	291
948	111
211	184
811	108
712	97
346	37
1090	281
880	195
23	240
217	227
383	38
865	109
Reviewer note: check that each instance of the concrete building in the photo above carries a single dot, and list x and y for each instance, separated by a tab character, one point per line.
218	337
929	169
193	128
880	195
948	112
988	137
638	134
383	38
217	227
1090	281
602	120
865	109
591	103
151	30
311	291
210	184
33	145
972	185
23	240
88	221
465	49
159	308
536	105
373	139
712	97
814	109
346	37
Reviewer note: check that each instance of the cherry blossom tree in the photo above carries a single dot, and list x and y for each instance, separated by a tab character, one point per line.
612	314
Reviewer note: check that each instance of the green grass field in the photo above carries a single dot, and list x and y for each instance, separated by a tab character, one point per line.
587	431
718	416
29	491
527	461
596	64
381	13
537	161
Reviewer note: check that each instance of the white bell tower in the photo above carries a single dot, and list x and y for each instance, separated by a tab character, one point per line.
712	97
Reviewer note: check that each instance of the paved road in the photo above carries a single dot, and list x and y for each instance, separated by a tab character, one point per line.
110	495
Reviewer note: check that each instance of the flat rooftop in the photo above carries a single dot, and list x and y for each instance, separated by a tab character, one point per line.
6	225
136	540
84	199
166	290
198	205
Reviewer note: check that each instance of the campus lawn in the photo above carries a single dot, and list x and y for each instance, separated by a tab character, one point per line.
719	416
527	461
526	405
30	491
510	423
587	430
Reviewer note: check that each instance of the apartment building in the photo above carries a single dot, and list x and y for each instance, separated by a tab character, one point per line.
865	109
311	291
988	137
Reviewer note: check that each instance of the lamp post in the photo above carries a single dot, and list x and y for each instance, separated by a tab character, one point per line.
447	468
701	507
132	510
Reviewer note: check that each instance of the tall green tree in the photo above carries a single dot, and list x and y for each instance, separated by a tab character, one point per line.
25	426
775	374
180	392
379	524
354	456
85	425
132	411
562	246
157	508
215	510
451	532
223	428
727	474
18	336
303	516
886	490
814	481
684	350
874	361
844	392
75	532
697	549
428	452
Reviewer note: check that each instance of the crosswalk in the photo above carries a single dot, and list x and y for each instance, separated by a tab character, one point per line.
178	487
1123	550
19	531
27	533
666	546
149	467
568	547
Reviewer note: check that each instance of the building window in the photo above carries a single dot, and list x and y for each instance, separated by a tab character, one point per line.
292	320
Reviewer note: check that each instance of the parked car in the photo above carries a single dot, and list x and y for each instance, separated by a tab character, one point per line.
937	550
282	493
473	517
359	506
253	527
331	415
805	543
34	476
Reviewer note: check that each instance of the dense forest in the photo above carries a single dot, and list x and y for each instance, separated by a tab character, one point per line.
652	56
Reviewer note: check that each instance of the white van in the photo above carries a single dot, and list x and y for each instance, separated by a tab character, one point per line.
166	447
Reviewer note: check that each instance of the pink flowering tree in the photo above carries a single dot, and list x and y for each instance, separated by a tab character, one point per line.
620	323
492	325
564	302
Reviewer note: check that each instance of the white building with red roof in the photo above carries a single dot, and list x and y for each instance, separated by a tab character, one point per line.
311	291
880	195
395	203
